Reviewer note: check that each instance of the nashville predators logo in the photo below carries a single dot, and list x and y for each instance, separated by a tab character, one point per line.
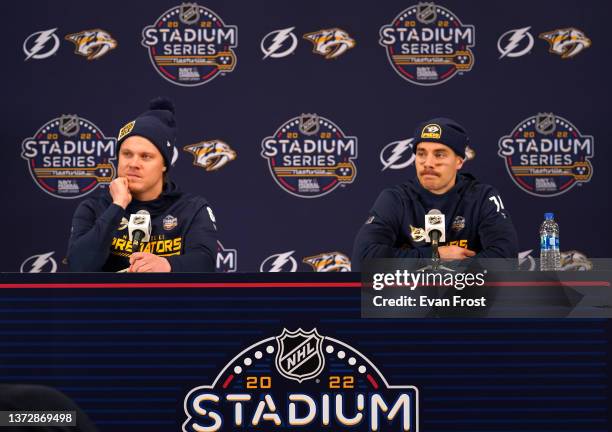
574	260
211	155
432	131
329	262
567	42
330	43
417	234
92	44
125	130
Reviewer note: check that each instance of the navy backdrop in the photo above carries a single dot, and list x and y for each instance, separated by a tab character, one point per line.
359	91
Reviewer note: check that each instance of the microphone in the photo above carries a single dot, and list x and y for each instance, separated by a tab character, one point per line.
139	228
435	230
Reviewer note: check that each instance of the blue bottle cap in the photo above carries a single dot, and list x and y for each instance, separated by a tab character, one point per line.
549	216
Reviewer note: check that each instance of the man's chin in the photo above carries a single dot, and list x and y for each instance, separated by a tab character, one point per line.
429	182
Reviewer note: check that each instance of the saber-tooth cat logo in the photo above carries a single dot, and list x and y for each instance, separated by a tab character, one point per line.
189	45
211	155
92	44
427	44
69	157
309	156
301	378
546	155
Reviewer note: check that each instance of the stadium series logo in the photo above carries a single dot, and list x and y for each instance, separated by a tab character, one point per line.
546	155
189	45
309	156
301	378
69	157
427	44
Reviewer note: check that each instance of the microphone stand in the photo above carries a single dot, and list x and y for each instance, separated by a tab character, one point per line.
435	265
435	259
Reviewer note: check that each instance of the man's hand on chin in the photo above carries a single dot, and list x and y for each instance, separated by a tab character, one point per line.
145	262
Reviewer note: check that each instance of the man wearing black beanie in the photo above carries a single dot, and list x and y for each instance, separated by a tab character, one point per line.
184	233
477	224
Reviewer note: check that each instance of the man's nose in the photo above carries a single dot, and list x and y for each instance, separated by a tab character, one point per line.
134	162
428	161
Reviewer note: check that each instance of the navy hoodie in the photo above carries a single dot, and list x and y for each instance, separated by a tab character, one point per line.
183	231
474	213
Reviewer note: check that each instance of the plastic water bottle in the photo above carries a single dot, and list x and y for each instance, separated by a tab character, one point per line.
550	256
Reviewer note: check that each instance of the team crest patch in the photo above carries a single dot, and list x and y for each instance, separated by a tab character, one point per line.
69	157
329	262
458	223
309	156
546	155
123	224
190	45
417	234
211	155
125	130
92	44
431	131
427	44
170	222
300	354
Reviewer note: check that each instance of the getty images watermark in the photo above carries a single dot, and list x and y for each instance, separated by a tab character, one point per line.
417	288
399	281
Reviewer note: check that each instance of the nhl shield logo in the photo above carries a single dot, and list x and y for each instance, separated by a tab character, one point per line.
300	354
189	13
545	123
309	124
69	125
426	13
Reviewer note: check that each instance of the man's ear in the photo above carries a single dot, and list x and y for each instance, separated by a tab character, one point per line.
165	168
460	162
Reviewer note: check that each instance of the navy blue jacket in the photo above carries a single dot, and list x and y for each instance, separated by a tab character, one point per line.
183	231
474	214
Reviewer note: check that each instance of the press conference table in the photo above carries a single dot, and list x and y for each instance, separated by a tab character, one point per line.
128	347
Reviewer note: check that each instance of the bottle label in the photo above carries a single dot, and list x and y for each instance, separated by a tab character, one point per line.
549	242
